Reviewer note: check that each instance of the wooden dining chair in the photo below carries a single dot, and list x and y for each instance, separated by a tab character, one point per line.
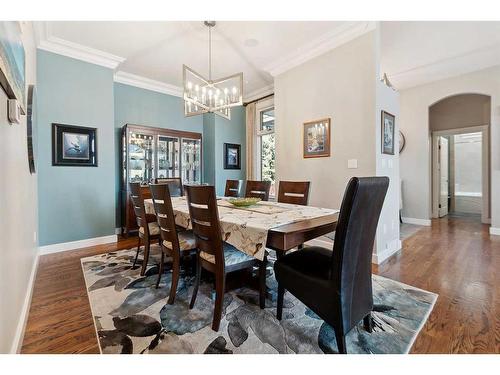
233	188
213	254
258	189
148	227
294	192
173	243
337	285
174	184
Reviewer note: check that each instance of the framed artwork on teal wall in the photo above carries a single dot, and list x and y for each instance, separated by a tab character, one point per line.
74	146
232	156
12	62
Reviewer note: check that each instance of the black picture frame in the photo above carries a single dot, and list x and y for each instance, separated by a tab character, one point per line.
232	156
74	146
388	126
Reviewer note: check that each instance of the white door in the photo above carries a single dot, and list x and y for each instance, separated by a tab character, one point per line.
443	176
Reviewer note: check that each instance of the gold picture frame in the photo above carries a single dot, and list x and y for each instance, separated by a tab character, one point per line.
316	138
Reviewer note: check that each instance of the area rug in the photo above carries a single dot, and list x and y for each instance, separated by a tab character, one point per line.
132	316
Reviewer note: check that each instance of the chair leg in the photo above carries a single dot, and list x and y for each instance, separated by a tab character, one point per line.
341	345
220	281
197	281
160	270
368	322
262	282
146	258
138	249
281	295
176	267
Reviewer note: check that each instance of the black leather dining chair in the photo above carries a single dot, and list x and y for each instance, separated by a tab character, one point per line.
337	285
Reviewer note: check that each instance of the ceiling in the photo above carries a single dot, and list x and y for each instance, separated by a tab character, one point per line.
415	53
412	53
157	50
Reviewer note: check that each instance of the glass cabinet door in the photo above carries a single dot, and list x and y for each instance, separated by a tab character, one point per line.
191	161
168	157
140	157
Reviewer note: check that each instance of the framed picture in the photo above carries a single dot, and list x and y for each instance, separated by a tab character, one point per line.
388	126
317	138
12	62
74	146
232	156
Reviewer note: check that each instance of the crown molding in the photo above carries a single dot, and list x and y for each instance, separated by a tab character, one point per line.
469	62
259	93
77	51
320	45
47	42
147	83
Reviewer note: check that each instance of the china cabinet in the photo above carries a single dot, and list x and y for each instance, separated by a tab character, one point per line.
148	153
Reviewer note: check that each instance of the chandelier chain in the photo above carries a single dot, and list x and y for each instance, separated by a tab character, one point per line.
210	53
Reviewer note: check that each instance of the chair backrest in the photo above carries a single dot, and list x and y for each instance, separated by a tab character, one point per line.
165	213
233	188
204	215
294	192
258	189
174	184
353	246
138	204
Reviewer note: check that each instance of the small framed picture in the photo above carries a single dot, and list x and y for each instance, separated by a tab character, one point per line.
388	126
232	157
317	138
74	146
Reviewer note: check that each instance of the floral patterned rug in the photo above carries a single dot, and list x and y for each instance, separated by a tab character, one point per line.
132	316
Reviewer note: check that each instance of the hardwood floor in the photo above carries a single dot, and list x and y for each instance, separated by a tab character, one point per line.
455	257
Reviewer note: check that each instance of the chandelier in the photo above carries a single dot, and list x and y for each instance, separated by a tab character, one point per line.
211	96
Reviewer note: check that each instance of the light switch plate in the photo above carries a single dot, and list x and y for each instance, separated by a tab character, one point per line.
352	163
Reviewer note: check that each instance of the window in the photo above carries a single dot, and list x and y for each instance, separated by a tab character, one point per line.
266	147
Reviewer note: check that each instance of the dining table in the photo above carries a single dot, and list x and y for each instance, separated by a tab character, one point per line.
267	224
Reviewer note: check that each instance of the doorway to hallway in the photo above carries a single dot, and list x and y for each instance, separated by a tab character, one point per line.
459	172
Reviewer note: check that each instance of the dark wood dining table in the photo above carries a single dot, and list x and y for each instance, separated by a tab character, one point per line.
288	236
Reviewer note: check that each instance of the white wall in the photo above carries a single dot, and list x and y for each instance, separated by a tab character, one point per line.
342	84
18	217
415	161
388	240
339	85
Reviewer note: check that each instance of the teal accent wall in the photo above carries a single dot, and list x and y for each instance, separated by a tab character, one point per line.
209	148
229	131
75	203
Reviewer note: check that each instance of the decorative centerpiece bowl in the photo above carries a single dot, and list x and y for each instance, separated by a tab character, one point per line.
244	202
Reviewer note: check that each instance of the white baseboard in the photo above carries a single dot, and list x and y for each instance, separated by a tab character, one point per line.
65	246
495	231
17	343
412	220
392	248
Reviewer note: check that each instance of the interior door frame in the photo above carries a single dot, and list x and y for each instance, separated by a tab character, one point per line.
485	168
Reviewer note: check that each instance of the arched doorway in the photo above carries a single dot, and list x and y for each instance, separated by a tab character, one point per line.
460	155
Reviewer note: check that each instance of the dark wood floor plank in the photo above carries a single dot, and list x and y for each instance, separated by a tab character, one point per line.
455	257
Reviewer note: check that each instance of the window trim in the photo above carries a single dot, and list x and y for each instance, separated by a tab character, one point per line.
260	107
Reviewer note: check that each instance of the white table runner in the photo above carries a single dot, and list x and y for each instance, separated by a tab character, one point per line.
247	228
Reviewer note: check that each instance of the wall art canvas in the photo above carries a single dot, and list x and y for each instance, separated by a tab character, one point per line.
317	138
232	156
388	126
74	145
12	62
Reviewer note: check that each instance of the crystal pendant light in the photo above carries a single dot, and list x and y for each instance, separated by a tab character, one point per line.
206	95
